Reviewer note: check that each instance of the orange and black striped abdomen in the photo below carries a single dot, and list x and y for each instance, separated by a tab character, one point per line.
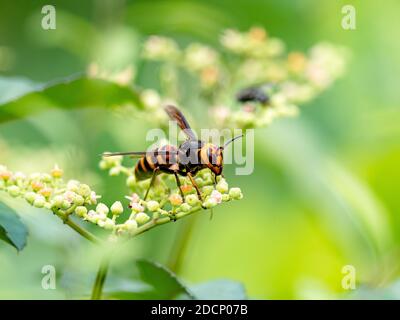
161	158
144	169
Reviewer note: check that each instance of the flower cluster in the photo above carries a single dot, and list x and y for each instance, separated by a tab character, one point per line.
245	59
164	204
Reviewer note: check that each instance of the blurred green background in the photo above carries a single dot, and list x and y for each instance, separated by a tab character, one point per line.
325	192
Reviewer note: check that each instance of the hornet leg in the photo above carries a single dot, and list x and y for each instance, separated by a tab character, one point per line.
179	185
151	183
195	186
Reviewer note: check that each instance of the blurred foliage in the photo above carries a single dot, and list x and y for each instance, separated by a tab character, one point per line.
324	193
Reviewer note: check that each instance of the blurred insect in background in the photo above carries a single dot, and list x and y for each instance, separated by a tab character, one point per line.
186	160
253	94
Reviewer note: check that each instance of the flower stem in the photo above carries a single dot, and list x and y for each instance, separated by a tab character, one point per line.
101	277
83	232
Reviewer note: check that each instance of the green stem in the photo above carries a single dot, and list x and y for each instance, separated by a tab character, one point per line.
101	277
83	232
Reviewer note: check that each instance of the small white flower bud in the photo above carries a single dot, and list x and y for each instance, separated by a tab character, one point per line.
39	201
101	223
13	191
57	201
93	198
101	216
222	186
153	205
136	207
114	171
117	208
81	211
69	196
131	225
73	185
92	216
102	208
210	203
217	196
235	193
141	218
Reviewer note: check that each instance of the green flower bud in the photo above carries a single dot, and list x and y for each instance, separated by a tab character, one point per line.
153	205
225	197
81	211
185	207
39	201
131	181
109	224
13	191
103	165
222	186
163	212
199	182
235	193
102	208
141	218
207	190
192	199
65	205
79	200
117	208
210	203
84	190
30	197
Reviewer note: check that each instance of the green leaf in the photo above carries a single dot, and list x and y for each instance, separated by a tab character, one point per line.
12	230
71	93
157	282
220	289
164	283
